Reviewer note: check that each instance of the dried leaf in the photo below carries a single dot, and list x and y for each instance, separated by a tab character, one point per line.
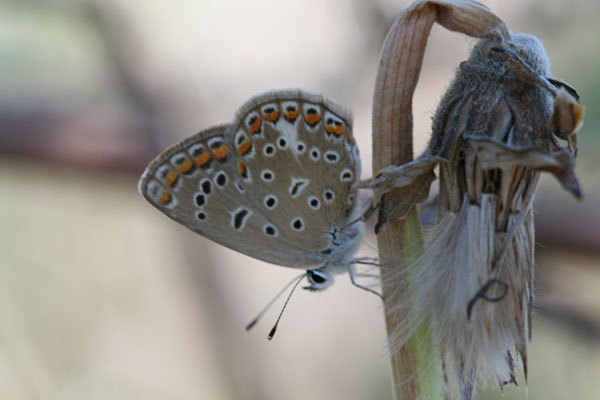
396	207
493	154
565	172
401	176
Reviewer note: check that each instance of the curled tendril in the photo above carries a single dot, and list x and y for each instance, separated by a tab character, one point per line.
482	294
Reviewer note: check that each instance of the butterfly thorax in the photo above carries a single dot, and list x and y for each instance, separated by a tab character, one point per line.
344	243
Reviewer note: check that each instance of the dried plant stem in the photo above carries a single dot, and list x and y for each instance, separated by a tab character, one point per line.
416	374
392	145
405	360
415	368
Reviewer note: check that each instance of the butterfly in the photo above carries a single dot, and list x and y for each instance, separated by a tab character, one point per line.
274	184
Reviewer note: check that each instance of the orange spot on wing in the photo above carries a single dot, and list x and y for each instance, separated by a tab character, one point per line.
273	116
165	198
221	151
203	158
337	129
242	168
245	147
348	137
292	115
255	127
312	119
186	166
171	179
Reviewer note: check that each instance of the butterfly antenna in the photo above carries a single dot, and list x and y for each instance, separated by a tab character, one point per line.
274	329
273	300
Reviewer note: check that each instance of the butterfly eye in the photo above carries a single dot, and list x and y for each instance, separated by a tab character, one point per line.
317	277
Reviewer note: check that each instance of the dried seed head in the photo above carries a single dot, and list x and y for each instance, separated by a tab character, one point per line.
472	288
494	131
491	127
499	93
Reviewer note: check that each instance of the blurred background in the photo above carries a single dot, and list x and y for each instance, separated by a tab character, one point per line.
102	297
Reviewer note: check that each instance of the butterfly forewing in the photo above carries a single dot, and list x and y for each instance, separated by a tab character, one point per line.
272	184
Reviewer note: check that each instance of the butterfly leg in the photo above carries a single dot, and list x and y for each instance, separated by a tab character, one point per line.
352	274
366	261
372	276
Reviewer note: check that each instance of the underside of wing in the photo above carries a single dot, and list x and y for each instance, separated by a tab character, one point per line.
198	183
300	162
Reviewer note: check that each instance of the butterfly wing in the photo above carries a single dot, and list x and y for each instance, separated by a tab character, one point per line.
250	185
301	162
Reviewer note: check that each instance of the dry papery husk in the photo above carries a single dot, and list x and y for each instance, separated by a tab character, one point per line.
494	132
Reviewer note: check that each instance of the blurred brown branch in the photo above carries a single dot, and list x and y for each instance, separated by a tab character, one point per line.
78	133
77	139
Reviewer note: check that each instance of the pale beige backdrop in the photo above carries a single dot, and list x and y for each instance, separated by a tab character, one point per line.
102	297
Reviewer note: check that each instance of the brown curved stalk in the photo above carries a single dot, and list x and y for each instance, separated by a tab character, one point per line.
400	65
